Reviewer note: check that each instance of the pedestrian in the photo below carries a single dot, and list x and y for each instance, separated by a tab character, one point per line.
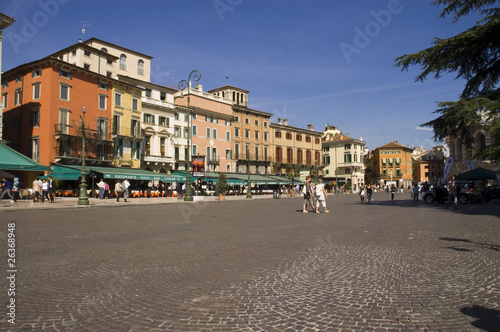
45	191
36	190
308	194
415	193
118	190
16	189
362	194
169	191
393	191
106	190
320	194
125	188
101	185
183	189
297	189
369	192
452	193
51	185
7	190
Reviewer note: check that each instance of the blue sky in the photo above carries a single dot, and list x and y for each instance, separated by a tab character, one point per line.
317	61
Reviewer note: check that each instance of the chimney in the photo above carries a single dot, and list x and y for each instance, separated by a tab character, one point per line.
285	122
279	121
310	127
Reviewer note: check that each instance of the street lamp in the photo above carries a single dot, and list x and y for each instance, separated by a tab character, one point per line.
249	189
83	199
195	76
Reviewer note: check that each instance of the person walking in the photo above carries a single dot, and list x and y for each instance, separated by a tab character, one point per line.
125	188
362	193
101	186
118	190
369	192
393	191
308	194
36	190
320	194
51	186
106	190
415	191
45	191
7	189
452	193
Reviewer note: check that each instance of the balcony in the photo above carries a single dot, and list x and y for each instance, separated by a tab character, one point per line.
158	159
252	157
64	130
156	102
127	132
213	161
351	164
73	157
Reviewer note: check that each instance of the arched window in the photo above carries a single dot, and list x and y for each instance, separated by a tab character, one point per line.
140	67
123	62
104	50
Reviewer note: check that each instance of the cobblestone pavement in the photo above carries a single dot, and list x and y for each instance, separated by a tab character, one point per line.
256	265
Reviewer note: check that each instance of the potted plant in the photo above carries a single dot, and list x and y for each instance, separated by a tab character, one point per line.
221	186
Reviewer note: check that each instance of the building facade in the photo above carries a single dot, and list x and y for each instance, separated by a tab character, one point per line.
46	101
211	127
390	164
295	149
251	139
428	165
5	22
343	159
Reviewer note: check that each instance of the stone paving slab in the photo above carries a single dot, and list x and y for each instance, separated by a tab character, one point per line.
257	265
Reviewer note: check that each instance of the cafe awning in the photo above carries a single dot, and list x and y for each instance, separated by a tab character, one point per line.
12	160
66	173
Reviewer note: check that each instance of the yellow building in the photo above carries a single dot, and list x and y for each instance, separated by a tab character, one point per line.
295	148
126	125
391	164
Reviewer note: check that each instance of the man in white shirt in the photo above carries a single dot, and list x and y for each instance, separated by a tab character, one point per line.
125	188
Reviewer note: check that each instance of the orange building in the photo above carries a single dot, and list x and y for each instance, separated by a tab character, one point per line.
43	103
391	164
211	127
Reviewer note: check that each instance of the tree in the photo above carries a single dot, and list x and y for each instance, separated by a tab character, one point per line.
474	55
221	187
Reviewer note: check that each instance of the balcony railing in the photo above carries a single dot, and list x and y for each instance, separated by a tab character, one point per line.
252	157
213	160
351	164
127	132
62	129
157	159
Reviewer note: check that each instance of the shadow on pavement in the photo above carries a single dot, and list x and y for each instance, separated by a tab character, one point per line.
487	319
494	247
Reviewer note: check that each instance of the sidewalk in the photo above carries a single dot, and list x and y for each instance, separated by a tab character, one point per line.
72	202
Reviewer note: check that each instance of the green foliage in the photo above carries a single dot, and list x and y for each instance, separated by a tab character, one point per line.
474	55
221	187
348	186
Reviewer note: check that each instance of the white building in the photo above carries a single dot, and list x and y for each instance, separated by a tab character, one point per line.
343	158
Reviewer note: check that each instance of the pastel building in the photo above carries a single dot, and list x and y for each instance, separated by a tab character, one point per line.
5	22
251	133
211	127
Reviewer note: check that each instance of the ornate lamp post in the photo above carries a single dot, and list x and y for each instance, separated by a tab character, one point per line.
249	189
83	199
195	76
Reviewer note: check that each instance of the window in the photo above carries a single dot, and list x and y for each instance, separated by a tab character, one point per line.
256	152
4	97
194	130
35	148
208	132
35	118
228	135
116	124
119	148
277	134
288	136
236	132
214	133
236	119
229	154
64	92
64	120
18	97
316	140
86	53
136	150
308	139
247	120
214	154
256	122
103	86
36	73
163	95
163	121
65	74
148	118
265	124
123	62
135	127
256	134
247	133
186	132
208	153
86	66
102	101
236	151
118	99
102	128
266	136
299	138
176	116
347	146
140	67
177	131
195	149
135	104
108	74
193	114
265	153
147	92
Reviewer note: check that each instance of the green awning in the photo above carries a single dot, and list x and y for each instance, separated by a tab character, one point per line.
66	173
229	181
12	160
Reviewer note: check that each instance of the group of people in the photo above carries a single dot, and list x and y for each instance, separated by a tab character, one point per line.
10	189
314	195
366	191
43	190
